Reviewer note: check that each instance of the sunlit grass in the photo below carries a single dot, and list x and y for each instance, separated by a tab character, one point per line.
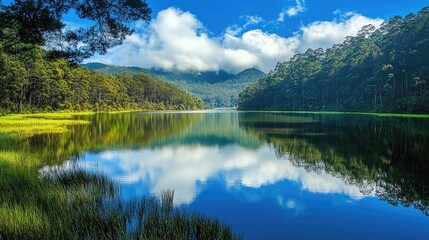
21	219
30	124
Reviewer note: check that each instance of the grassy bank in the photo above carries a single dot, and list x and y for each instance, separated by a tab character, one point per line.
24	125
39	202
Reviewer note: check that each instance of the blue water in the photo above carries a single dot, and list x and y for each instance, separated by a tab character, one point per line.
271	177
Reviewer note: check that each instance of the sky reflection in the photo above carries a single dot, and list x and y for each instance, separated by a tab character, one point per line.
186	169
269	175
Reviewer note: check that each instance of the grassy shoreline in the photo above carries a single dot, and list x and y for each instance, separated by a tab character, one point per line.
29	124
39	202
26	125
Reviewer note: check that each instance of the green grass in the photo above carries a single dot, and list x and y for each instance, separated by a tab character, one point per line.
76	205
26	125
407	115
54	203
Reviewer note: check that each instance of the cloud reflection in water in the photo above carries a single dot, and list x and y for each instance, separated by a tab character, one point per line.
186	168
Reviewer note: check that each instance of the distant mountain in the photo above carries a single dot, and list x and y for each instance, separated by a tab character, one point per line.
216	88
208	77
95	65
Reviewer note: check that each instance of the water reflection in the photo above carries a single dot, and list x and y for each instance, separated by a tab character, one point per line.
187	168
265	172
385	156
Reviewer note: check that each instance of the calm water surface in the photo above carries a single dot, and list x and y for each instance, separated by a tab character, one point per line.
269	175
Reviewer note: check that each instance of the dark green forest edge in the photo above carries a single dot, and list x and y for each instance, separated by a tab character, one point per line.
33	83
383	70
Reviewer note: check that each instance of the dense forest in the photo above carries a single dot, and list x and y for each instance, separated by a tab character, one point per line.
31	81
379	70
216	89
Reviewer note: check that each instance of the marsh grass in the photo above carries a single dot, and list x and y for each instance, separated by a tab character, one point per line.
39	202
167	198
25	125
73	204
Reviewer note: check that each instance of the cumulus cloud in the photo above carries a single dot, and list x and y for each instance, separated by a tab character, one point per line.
292	10
325	34
267	49
178	40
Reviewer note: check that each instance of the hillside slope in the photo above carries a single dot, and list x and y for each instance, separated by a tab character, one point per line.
31	82
384	70
217	89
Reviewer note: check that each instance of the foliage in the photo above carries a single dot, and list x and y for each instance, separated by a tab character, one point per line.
216	89
30	82
40	22
384	70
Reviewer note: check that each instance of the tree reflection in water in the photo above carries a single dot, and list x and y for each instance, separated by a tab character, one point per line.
378	156
386	156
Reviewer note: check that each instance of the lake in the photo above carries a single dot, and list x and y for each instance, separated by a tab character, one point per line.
268	175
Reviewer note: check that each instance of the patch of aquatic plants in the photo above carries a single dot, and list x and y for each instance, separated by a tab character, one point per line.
72	204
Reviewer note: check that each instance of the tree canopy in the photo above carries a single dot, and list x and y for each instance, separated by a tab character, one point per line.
383	70
40	22
32	82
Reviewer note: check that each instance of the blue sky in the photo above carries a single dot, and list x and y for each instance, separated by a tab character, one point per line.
217	15
234	35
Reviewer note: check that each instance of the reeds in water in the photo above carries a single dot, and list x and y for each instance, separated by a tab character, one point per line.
74	204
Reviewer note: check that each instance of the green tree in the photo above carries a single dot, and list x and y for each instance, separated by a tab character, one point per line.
383	70
40	22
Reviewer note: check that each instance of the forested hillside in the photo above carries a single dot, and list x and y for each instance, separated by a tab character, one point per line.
217	89
31	82
383	70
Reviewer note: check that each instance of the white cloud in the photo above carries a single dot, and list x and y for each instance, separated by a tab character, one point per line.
267	49
248	21
325	34
292	11
251	20
178	40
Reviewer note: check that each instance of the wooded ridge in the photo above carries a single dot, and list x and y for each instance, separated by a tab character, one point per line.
379	70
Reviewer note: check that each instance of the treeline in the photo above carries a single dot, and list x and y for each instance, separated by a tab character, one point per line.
216	89
32	82
383	70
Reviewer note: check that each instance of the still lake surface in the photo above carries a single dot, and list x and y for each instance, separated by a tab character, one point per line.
268	175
